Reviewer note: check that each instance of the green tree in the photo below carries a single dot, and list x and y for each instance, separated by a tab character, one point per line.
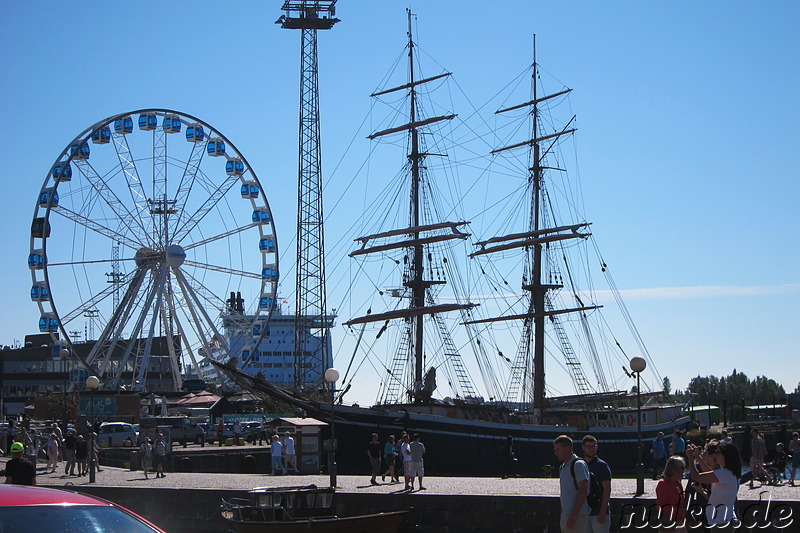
666	385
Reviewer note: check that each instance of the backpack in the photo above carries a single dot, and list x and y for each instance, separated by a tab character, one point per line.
594	495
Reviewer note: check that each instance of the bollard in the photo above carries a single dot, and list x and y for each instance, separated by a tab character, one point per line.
134	461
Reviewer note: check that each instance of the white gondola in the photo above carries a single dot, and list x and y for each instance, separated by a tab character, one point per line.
267	244
48	322
234	167
250	190
195	133
216	147
270	273
39	292
79	151
123	125
148	121
101	136
171	124
261	216
62	172
37	260
48	197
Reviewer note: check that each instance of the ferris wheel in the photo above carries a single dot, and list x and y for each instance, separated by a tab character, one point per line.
147	222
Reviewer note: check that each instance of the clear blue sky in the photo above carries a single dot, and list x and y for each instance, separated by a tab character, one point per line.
688	115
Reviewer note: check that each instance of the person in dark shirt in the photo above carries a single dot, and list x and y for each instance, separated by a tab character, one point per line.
69	452
374	452
19	471
82	455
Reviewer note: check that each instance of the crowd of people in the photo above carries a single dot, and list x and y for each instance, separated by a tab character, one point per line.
74	450
401	458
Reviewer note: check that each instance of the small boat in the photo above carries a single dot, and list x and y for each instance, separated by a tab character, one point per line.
302	508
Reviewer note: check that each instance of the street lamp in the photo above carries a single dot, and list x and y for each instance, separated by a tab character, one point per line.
64	356
638	364
92	383
332	376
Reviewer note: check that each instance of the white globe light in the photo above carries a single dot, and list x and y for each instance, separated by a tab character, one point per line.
64	353
331	375
638	364
92	382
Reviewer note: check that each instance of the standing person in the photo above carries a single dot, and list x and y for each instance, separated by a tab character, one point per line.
659	454
81	454
599	519
160	455
19	471
405	451
794	450
398	459
724	480
237	431
670	496
509	459
262	433
389	454
759	453
95	451
52	453
220	431
11	432
779	460
70	442
146	451
417	464
374	450
697	494
290	459
678	445
573	477
276	451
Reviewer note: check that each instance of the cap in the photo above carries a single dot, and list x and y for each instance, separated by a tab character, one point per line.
17	447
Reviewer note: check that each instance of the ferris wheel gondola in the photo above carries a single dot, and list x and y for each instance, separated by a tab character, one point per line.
146	221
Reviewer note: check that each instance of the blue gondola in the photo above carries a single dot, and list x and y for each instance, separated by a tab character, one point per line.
267	302
37	260
39	292
148	121
234	167
101	136
62	172
48	198
257	330
270	273
171	124
195	133
267	244
261	216
123	125
216	147
79	151
48	322
250	190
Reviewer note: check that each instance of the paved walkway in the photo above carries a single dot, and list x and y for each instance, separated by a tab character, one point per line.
621	488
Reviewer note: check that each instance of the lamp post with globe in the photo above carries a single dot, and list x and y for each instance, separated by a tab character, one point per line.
331	377
638	364
92	382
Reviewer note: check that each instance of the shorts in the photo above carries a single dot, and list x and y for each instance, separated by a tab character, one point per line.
417	469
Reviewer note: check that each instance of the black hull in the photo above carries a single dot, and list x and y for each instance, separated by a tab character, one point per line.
473	448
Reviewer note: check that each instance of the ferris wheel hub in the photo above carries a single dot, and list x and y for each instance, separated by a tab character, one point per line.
175	255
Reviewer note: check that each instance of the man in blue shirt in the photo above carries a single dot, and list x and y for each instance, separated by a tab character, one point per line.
599	519
659	455
574	509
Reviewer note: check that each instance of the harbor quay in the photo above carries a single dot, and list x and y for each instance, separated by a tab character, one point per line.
184	502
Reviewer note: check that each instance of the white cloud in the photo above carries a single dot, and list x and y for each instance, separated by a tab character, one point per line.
705	291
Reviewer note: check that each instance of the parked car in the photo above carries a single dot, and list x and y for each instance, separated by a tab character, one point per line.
23	508
114	434
181	428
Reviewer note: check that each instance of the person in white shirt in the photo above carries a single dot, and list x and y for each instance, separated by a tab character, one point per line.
276	451
574	484
724	481
288	453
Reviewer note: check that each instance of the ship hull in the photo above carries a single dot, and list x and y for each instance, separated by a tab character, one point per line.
457	446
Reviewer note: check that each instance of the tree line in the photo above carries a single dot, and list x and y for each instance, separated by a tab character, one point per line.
734	388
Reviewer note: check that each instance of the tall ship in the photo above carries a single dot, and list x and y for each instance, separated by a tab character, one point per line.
514	299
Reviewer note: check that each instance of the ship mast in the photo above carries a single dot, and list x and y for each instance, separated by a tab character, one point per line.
418	234
534	241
